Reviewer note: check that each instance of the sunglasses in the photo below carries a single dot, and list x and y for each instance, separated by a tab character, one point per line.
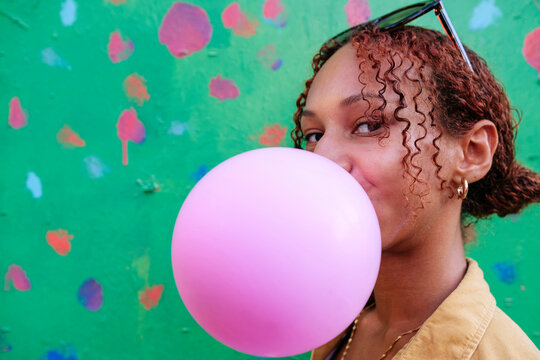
402	16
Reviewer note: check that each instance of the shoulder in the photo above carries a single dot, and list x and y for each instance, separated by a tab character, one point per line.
504	339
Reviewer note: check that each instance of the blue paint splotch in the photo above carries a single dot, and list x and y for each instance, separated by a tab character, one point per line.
33	184
65	353
177	128
90	295
505	271
95	167
68	14
51	58
484	14
199	173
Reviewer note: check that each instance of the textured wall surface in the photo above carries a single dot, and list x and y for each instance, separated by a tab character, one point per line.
112	111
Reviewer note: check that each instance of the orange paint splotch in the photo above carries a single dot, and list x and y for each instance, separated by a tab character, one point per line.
118	2
59	240
17	116
135	89
16	276
69	138
273	135
149	297
234	18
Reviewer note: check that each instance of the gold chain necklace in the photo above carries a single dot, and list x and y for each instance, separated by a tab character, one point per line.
354	329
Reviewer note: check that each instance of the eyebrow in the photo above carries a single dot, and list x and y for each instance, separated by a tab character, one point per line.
344	103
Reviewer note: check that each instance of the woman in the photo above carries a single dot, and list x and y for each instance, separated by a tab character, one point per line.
428	132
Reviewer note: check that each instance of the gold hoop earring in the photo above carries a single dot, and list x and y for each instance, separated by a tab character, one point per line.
463	189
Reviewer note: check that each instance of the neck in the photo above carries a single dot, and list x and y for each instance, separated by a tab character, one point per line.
413	283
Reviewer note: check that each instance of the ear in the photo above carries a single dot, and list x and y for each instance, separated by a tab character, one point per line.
476	148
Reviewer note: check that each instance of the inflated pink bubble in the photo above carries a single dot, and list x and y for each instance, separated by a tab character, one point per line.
275	251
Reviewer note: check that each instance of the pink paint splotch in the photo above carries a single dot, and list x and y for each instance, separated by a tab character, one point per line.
90	295
17	116
269	57
185	29
119	49
135	89
69	138
233	18
357	11
16	276
273	135
59	240
274	11
531	49
223	89
129	128
149	297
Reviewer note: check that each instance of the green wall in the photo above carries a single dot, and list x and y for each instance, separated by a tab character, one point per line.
85	239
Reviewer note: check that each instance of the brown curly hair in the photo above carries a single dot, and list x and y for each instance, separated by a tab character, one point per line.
458	98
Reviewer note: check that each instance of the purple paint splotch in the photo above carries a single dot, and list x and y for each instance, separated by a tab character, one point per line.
65	353
269	57
185	29
505	271
90	295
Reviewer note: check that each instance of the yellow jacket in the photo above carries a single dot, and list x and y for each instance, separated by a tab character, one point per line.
467	325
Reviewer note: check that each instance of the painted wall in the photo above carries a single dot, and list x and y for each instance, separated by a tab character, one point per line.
112	111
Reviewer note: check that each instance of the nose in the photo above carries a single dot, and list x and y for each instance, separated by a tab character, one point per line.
335	150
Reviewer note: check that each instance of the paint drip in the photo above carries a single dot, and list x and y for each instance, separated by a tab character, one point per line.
129	128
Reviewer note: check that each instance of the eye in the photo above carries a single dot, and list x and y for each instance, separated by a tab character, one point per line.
313	137
367	127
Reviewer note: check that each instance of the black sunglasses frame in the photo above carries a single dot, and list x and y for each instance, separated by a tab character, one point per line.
423	8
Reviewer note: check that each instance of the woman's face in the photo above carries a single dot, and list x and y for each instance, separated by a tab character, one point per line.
336	125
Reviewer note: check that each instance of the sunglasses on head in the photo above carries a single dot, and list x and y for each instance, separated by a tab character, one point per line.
402	16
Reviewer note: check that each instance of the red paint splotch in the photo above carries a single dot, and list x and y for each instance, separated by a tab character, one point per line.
223	88
16	276
269	57
129	128
531	49
69	138
119	49
233	18
185	29
135	89
60	241
273	135
274	11
150	297
17	116
357	11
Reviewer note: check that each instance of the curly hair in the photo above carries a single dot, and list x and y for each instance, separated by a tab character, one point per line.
458	99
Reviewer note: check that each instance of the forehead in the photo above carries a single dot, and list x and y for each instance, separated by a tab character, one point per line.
348	72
